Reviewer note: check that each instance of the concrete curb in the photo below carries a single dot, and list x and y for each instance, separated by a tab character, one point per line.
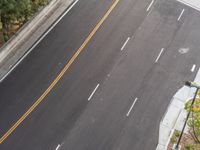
175	115
25	31
31	34
192	3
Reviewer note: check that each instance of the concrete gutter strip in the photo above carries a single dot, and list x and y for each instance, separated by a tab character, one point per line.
29	34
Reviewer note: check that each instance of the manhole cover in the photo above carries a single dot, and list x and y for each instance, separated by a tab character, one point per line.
192	3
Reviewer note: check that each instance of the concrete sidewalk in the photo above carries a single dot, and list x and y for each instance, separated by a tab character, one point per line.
12	53
175	115
192	3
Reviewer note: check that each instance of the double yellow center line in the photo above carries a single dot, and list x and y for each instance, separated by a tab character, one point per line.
60	75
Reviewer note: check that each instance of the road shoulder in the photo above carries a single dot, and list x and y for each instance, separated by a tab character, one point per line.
12	53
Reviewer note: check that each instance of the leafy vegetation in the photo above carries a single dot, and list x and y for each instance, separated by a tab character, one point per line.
194	120
194	123
175	136
14	13
189	147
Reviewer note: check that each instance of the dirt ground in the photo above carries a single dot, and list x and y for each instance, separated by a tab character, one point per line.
187	142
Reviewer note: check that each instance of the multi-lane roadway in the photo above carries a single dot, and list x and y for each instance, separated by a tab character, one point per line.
102	78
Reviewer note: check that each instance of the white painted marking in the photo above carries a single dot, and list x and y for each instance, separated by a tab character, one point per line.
184	50
193	68
181	14
125	43
132	107
93	92
58	147
150	5
40	39
159	55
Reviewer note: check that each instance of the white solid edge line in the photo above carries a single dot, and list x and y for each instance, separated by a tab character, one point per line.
93	92
125	43
132	107
58	147
40	39
159	55
150	5
193	68
181	14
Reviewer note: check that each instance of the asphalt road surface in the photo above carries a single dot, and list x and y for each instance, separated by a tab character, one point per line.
114	94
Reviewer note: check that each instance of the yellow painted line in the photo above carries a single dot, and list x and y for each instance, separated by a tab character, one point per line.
60	75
